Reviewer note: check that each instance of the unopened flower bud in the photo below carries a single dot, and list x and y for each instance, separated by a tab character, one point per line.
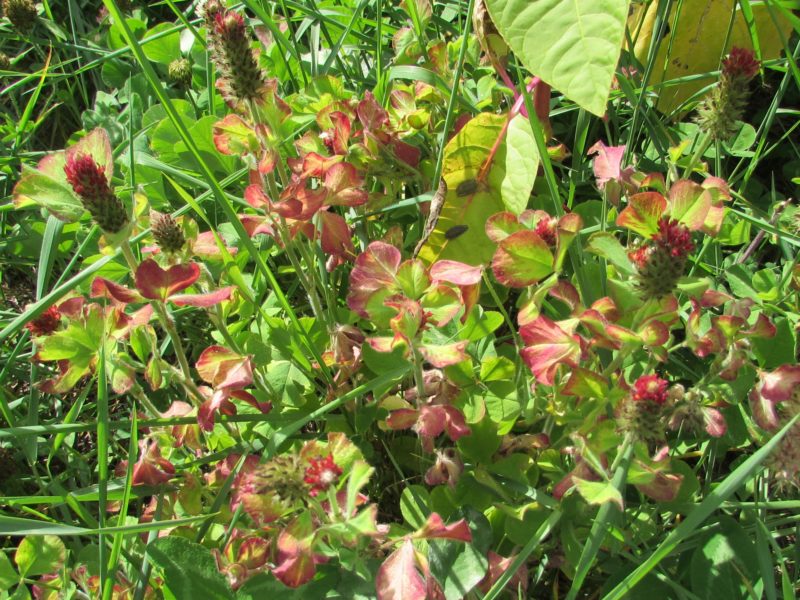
180	71
166	232
21	13
89	182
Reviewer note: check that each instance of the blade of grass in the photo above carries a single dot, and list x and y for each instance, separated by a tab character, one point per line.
710	503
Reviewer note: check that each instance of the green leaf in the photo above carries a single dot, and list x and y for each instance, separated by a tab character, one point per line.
8	576
458	566
414	505
190	570
608	246
521	165
573	46
53	194
166	48
723	565
598	492
39	555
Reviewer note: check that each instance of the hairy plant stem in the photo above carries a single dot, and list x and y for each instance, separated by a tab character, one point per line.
142	398
419	378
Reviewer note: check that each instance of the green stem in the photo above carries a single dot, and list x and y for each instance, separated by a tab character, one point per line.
705	142
419	378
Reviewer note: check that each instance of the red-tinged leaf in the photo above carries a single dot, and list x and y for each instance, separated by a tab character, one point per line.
375	269
763	327
398	577
689	203
335	237
224	369
569	226
715	424
567	293
433	420
470	294
141	316
234	137
434	528
218	402
441	304
522	259
501	225
713	298
344	186
763	409
623	335
406	323
207	246
295	563
548	346
262	407
441	356
655	333
720	193
456	272
584	383
341	132
664	487
255	224
203	300
155	283
104	288
370	113
780	384
382	344
316	165
268	160
151	468
402	418
254	195
499	565
642	213
406	152
607	164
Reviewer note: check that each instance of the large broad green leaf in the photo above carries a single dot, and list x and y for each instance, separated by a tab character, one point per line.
572	45
478	187
190	570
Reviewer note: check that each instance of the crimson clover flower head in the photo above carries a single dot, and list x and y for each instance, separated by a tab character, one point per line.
741	63
46	323
321	474
87	178
674	237
90	183
650	388
230	24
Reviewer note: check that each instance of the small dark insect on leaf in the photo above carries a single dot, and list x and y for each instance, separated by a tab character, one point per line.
467	187
455	231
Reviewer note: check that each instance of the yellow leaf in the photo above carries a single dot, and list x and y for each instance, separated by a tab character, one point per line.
694	42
